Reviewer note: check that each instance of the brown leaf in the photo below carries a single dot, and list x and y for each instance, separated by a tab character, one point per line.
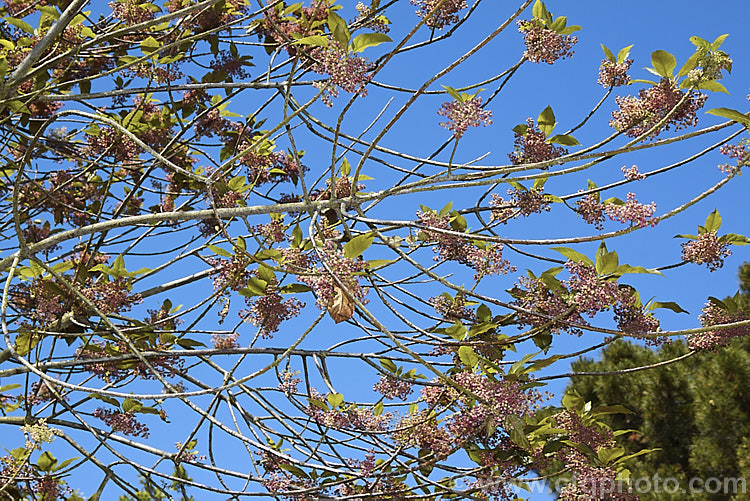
340	307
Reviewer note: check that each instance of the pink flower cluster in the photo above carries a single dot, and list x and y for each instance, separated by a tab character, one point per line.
544	45
589	482
25	479
393	388
225	341
614	74
344	268
632	173
462	115
706	250
600	483
270	310
166	366
452	308
495	401
487	260
288	382
591	210
632	212
132	11
529	201
346	71
584	293
739	152
421	430
367	18
638	115
123	422
716	315
531	147
348	417
273	231
441	12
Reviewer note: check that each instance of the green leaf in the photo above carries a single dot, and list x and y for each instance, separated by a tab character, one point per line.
735	239
623	54
719	40
669	305
131	405
690	64
104	398
378	409
362	42
573	255
639	80
313	41
294	470
339	29
46	462
149	45
731	115
357	245
538	10
255	287
546	120
20	24
700	43
606	262
388	365
516	431
446	209
606	456
64	464
564	139
318	403
219	251
345	168
611	409
335	399
713	221
294	289
712	85
468	356
626	268
664	63
453	93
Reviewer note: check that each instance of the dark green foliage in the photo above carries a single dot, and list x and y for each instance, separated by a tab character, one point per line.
696	411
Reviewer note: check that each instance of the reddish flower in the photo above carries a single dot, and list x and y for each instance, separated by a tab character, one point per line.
544	45
614	74
637	115
462	115
445	14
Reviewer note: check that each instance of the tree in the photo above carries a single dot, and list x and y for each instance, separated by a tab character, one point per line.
693	407
210	233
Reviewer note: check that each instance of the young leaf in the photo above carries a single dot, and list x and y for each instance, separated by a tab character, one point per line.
608	53
313	41
453	93
669	305
573	255
731	115
564	139
713	221
357	245
362	42
664	63
623	54
468	356
546	120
